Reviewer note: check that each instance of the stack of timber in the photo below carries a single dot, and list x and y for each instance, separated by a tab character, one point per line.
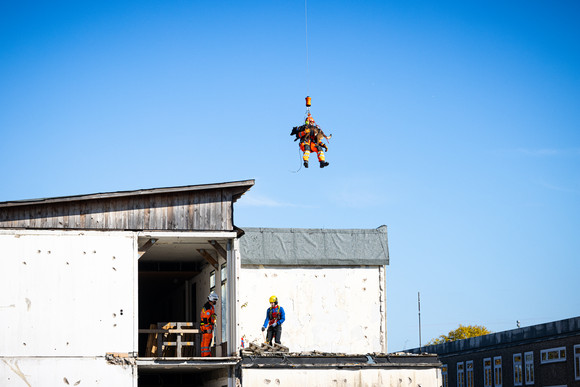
170	339
264	348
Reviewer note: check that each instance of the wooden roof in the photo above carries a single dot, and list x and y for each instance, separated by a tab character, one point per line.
207	207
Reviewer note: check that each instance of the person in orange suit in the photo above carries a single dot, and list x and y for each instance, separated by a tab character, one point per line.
309	143
208	318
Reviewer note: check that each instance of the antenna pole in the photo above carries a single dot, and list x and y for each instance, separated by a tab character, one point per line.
419	305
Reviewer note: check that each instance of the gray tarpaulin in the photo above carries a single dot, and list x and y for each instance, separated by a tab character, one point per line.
314	247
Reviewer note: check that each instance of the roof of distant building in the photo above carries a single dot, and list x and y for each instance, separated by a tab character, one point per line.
530	334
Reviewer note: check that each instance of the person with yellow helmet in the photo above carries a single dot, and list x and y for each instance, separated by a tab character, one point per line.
275	316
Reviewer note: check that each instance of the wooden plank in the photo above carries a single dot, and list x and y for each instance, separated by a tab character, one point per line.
44	222
208	258
65	216
137	222
169	215
117	221
154	218
146	246
188	213
196	214
220	250
97	216
147	217
151	341
225	211
280	347
181	213
74	215
57	216
124	212
218	215
267	347
170	330
108	220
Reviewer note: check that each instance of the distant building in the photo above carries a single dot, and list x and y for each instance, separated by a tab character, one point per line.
539	355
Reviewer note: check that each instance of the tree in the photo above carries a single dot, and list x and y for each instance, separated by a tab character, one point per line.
463	332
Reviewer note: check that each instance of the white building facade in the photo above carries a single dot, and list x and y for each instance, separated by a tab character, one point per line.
330	282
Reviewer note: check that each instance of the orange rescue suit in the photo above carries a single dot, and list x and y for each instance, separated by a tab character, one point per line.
206	326
308	144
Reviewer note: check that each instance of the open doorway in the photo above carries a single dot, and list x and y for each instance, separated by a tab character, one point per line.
176	274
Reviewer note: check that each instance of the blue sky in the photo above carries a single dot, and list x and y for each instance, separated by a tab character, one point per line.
454	123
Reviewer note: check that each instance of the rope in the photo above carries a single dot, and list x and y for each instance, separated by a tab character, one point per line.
300	158
306	27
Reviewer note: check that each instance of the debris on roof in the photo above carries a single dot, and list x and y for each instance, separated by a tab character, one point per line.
263	348
317	359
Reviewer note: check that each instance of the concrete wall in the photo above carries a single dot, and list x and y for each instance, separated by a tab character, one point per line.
66	299
342	377
328	309
67	371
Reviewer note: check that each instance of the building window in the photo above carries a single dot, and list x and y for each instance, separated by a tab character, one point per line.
518	370
553	355
212	281
487	372
223	274
529	364
469	373
577	362
497	371
460	375
445	376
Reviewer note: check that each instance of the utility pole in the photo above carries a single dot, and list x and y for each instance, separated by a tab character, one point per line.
419	305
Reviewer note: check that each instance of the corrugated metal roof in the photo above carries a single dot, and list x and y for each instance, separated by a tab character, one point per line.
141	192
314	247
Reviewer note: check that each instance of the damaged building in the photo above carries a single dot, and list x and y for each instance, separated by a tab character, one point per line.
106	289
332	285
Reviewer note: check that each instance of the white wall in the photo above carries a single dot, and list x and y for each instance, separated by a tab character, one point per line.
429	377
52	371
327	309
67	297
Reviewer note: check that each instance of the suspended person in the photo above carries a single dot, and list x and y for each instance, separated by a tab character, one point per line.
275	316
207	324
311	141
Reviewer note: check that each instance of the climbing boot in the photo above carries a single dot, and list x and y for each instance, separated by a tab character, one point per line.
305	164
323	164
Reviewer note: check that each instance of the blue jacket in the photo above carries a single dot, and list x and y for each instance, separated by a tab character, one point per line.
280	321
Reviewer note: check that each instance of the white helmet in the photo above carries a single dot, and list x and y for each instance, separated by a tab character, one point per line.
212	297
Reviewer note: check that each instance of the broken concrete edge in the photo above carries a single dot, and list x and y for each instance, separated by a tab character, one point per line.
120	358
322	360
316	354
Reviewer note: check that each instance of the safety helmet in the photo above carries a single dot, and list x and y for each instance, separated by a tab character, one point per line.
212	297
273	299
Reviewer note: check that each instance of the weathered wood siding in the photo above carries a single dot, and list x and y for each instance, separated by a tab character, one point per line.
180	211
